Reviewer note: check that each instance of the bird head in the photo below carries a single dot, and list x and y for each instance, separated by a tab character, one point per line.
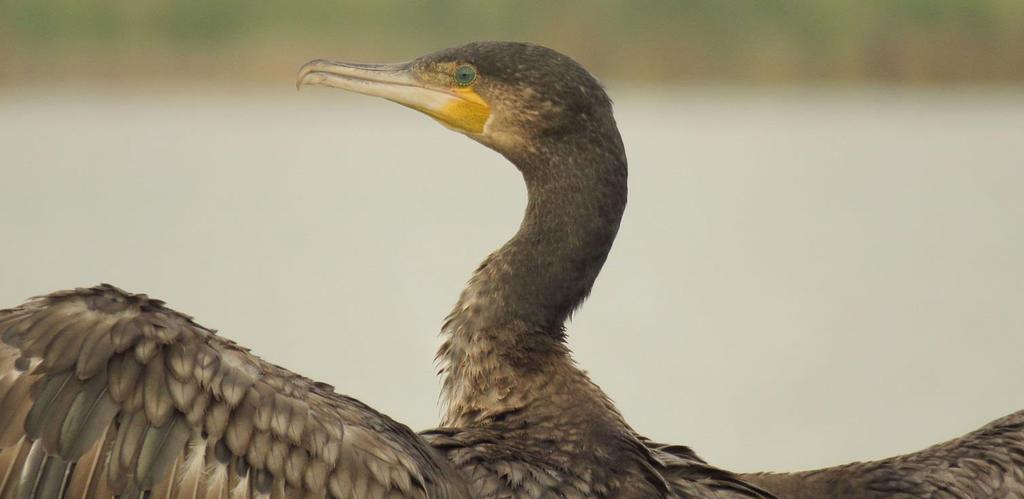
503	94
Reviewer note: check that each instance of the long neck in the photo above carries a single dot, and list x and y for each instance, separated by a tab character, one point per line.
505	344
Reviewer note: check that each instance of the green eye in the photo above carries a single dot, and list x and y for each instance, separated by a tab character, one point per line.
465	75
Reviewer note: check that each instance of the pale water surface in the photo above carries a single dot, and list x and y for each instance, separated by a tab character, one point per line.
803	277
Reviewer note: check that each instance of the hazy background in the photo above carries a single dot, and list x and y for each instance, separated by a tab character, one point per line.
821	260
681	40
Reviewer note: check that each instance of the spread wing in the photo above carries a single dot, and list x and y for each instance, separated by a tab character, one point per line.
105	393
986	463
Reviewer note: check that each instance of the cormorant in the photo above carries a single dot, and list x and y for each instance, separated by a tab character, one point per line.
107	393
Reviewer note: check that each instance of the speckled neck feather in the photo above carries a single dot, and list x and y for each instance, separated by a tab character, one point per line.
504	339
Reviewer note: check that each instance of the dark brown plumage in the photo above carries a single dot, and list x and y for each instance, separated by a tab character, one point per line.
104	393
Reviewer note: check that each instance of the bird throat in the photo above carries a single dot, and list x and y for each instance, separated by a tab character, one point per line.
504	349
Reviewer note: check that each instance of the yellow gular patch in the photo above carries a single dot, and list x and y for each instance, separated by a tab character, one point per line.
468	114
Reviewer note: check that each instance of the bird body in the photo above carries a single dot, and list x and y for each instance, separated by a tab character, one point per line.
111	393
105	393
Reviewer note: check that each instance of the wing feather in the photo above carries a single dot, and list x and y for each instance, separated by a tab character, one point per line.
89	479
105	393
97	348
12	461
12	411
988	462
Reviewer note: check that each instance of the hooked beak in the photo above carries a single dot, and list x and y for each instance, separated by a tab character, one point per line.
461	109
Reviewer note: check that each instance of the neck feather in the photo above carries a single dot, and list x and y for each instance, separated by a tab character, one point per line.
504	339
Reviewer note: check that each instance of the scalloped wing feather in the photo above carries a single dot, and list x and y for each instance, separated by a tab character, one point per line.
109	394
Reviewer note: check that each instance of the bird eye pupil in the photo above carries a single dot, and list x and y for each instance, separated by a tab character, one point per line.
465	75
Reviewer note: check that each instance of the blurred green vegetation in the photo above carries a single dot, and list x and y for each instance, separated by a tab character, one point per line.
682	40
